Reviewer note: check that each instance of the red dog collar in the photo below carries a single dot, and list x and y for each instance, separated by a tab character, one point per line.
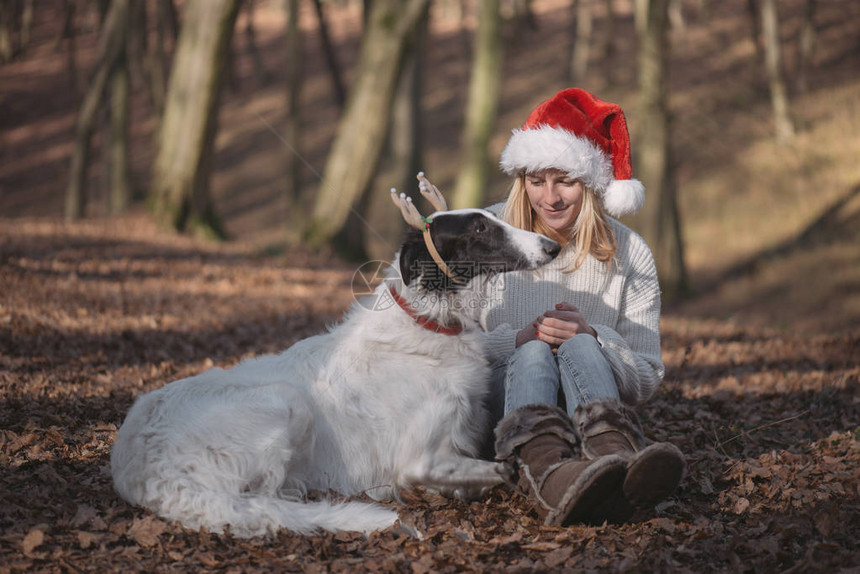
424	321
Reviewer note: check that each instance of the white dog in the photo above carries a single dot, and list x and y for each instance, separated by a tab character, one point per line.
389	399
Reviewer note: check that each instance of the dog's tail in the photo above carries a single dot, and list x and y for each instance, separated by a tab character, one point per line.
256	515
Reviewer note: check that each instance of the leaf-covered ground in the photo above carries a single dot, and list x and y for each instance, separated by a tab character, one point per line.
93	314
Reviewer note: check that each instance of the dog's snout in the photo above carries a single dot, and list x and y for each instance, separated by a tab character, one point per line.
550	247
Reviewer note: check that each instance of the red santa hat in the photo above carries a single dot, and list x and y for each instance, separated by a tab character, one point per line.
585	137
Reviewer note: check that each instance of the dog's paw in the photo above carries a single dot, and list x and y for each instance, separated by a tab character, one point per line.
507	472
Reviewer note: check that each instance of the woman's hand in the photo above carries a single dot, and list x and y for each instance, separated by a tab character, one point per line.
560	324
526	334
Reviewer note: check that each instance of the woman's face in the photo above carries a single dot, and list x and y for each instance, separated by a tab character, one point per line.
555	197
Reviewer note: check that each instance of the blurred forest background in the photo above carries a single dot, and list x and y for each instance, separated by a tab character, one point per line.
283	123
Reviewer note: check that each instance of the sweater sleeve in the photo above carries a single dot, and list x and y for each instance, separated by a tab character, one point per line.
500	342
633	346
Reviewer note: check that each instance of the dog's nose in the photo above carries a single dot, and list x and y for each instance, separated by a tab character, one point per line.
550	247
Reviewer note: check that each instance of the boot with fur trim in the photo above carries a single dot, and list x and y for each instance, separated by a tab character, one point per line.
540	443
653	471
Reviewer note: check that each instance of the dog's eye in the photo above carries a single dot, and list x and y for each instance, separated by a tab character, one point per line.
480	226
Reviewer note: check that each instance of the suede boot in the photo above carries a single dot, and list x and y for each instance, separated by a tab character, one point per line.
540	443
653	471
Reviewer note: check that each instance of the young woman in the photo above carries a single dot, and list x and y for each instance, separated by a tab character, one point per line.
583	331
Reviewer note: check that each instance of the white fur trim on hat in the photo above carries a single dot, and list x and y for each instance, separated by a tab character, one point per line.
547	147
624	197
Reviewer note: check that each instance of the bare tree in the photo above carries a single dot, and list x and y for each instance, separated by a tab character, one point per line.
155	56
660	219
292	126
119	169
783	124
582	40
251	35
677	22
16	20
640	15
169	16
7	27
362	131
807	45
402	158
754	11
481	108
405	139
609	44
179	193
330	56
111	50
524	14
68	34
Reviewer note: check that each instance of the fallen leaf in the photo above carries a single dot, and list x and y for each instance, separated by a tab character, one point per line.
33	540
541	546
207	559
558	557
83	515
146	530
86	539
665	524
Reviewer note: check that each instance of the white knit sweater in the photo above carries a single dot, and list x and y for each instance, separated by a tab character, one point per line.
621	303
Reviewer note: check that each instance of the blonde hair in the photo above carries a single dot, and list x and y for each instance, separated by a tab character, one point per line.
591	233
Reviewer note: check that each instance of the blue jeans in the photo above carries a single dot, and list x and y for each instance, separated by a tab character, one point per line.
533	374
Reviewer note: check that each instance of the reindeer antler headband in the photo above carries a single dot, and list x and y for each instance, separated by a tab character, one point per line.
414	218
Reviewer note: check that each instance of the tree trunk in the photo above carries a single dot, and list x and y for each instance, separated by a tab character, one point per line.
330	56
481	108
251	36
169	16
676	16
181	173
783	124
7	27
659	221
292	127
640	16
524	16
755	24
361	134
111	47
375	234
582	39
807	45
609	44
155	61
137	44
407	127
26	26
68	33
119	196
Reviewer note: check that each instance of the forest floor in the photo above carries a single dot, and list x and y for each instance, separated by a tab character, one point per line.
763	361
92	314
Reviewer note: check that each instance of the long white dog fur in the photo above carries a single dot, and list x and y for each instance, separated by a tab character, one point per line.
377	404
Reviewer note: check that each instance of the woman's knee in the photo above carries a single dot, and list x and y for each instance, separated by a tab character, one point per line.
587	374
581	346
531	352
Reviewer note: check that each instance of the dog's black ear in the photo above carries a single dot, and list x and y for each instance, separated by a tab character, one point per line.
412	251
